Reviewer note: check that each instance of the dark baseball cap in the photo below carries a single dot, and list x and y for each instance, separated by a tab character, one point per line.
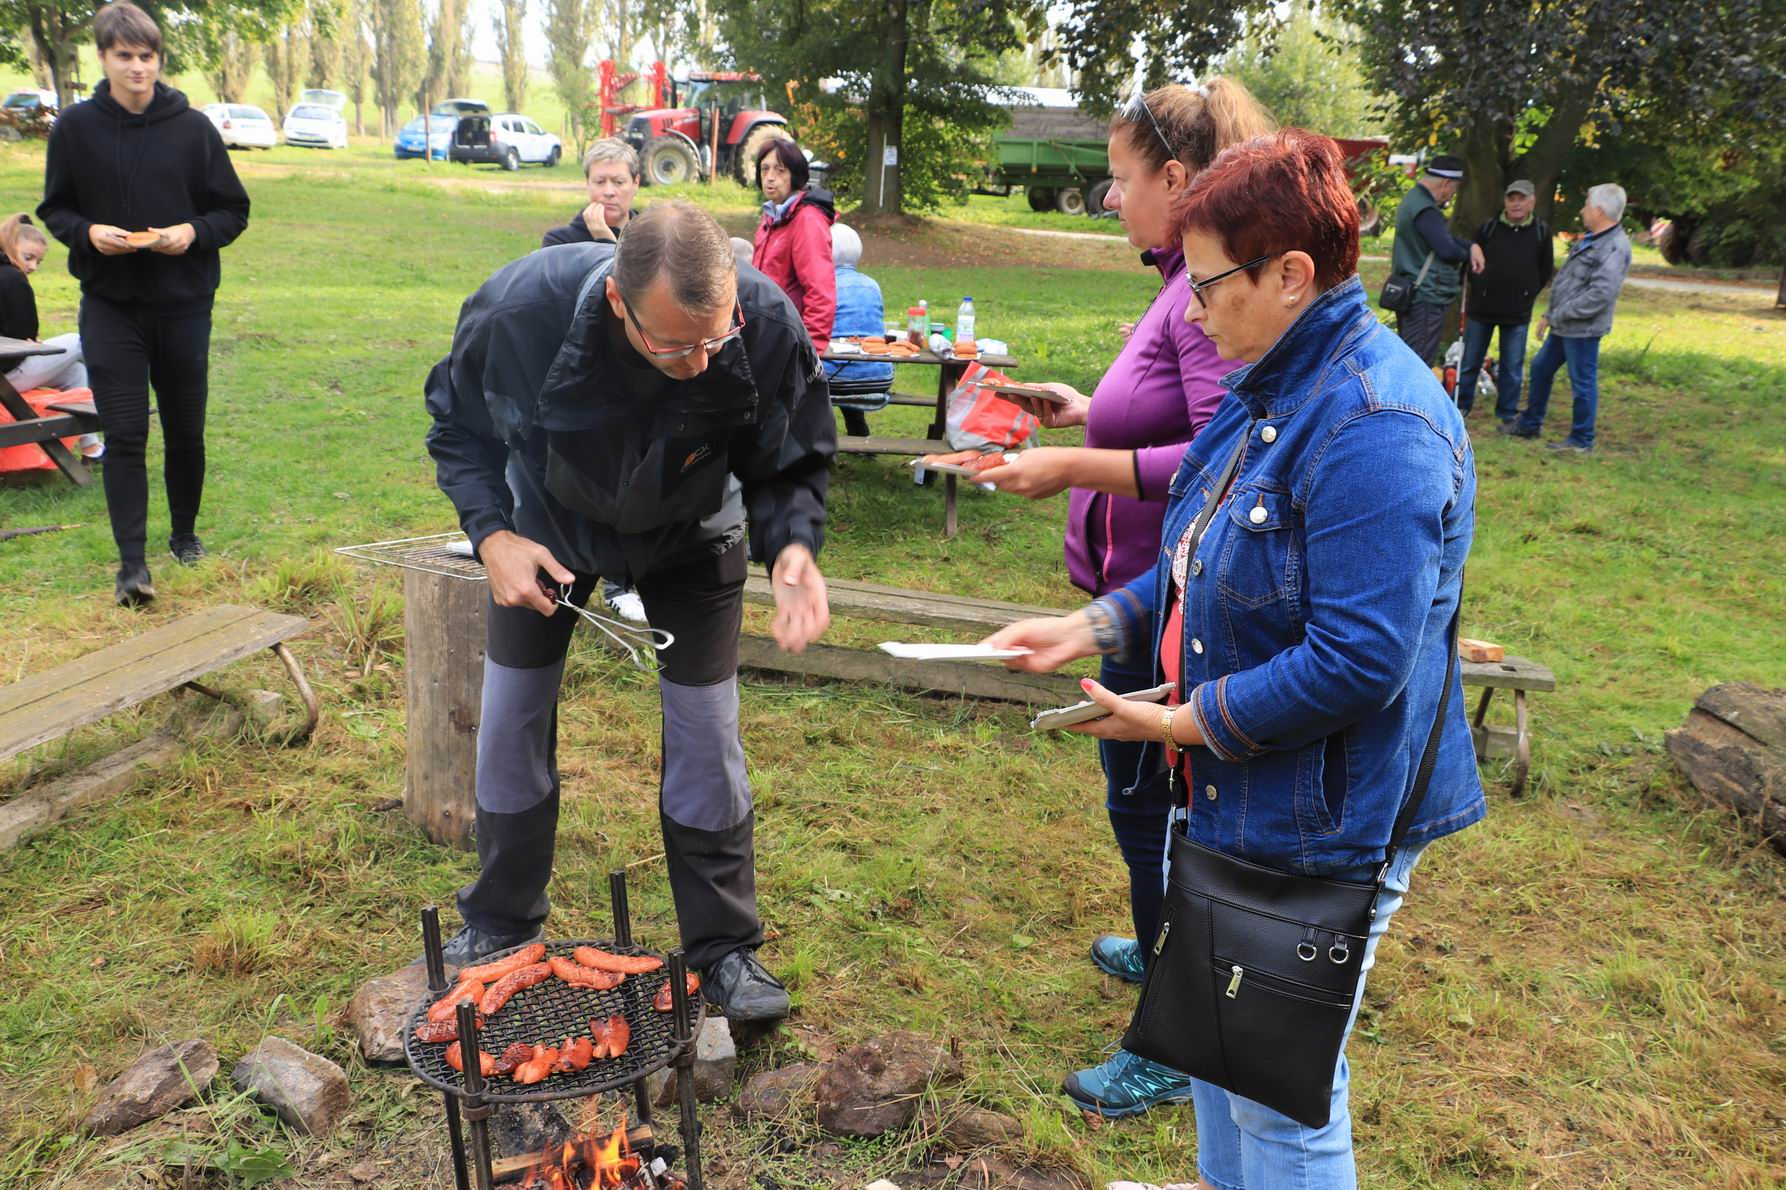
1522	187
1446	166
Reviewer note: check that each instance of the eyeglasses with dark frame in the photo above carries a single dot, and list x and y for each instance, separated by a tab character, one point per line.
709	345
1197	287
1139	100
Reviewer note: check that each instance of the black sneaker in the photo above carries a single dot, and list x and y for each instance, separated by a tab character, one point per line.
741	989
186	548
471	945
134	587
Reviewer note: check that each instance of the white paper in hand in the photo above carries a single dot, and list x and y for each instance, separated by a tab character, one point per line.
922	652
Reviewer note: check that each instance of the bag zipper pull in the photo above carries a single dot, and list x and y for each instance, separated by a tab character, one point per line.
1234	984
1159	943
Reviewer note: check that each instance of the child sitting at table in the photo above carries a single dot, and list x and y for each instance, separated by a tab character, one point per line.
857	389
22	248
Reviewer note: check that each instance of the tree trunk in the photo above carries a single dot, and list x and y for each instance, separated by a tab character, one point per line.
1780	299
1732	747
443	632
886	114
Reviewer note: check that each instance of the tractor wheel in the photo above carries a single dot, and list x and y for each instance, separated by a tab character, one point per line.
669	161
745	163
1070	201
1041	198
1370	220
1094	198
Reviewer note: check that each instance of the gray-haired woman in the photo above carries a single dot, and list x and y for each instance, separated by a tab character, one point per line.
611	170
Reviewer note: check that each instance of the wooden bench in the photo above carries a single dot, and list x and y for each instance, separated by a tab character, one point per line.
27	428
874	444
50	704
1494	741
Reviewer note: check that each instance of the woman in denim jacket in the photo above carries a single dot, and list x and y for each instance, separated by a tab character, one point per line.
1310	625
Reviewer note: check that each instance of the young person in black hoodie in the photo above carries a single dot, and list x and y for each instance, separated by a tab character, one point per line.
136	159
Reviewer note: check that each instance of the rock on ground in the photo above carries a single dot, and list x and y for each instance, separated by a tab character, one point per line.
962	1127
153	1085
716	1065
380	1011
776	1094
307	1091
874	1088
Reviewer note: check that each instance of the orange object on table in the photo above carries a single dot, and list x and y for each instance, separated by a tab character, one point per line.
32	457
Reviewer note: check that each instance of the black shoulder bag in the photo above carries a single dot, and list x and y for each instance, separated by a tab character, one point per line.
1397	295
1254	971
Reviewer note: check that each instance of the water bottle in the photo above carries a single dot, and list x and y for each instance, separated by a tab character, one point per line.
964	321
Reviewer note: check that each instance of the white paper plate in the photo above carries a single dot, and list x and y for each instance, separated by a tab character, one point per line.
919	652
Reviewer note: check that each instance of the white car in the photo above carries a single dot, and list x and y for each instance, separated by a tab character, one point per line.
533	145
317	126
323	98
242	125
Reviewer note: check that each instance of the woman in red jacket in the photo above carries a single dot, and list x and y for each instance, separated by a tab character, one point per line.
793	247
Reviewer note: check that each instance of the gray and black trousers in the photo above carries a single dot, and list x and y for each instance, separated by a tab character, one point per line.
704	801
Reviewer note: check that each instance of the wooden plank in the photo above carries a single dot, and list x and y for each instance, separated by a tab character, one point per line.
1509	673
871	601
966	679
911	399
53	706
874	444
78	408
37	808
43	429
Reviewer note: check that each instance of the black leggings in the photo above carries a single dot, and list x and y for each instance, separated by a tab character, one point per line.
127	351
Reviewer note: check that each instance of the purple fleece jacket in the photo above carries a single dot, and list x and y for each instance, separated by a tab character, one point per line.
1164	385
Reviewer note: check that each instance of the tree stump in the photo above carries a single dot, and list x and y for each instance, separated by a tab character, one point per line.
443	633
1733	748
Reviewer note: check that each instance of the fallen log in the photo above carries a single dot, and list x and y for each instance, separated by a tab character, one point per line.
1732	747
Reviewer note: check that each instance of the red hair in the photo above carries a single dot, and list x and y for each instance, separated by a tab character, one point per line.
1285	192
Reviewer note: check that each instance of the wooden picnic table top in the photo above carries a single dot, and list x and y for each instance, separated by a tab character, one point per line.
926	356
21	347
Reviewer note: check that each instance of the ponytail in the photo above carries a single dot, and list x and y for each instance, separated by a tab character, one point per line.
16	230
1197	122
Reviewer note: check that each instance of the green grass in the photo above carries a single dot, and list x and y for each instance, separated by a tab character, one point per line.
1584	991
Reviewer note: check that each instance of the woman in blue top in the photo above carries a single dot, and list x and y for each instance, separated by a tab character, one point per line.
1309	627
857	389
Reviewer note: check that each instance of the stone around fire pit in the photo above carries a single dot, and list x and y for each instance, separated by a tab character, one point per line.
716	1065
874	1088
777	1094
962	1127
990	1173
153	1085
308	1092
379	1011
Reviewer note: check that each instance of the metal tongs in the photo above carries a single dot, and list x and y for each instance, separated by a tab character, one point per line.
629	637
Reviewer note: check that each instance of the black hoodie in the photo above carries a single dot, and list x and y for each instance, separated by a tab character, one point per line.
164	167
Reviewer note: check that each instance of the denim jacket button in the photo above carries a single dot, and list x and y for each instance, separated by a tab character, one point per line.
1258	514
1209	792
1196	567
1268	435
1196	646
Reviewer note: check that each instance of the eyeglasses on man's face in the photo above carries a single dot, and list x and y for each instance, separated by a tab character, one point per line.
1197	287
708	345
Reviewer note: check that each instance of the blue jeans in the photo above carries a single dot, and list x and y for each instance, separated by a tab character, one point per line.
1243	1145
1508	373
1583	358
1140	818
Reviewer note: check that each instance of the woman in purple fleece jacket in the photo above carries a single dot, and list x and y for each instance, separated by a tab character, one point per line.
1165	383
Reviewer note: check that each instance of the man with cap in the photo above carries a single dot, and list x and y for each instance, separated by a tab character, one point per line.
1425	249
1510	262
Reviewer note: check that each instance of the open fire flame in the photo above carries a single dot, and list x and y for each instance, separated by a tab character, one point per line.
610	1161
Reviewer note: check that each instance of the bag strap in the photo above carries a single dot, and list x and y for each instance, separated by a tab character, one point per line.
1215	496
1425	265
1429	759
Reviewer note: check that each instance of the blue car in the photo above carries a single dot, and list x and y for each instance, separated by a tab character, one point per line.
410	140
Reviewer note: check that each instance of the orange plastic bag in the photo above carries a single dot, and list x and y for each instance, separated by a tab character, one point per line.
980	419
32	456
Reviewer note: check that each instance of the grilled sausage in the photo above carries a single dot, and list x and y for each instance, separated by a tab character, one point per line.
626	964
513	1056
509	984
447	1006
665	1001
455	1059
580	976
435	1032
491	972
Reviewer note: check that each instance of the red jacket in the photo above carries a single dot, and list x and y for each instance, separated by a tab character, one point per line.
795	253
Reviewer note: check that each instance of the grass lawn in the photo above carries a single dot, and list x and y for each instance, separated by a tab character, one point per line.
1587	990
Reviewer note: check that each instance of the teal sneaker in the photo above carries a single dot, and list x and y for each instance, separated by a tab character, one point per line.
1120	957
1126	1085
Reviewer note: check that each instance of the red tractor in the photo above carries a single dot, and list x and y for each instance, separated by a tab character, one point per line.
716	123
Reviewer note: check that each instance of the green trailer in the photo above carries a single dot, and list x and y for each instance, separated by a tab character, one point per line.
1057	155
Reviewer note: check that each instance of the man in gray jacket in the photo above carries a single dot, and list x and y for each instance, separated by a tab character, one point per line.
1581	302
614	412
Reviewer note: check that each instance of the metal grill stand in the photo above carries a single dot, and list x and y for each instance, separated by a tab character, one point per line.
470	1101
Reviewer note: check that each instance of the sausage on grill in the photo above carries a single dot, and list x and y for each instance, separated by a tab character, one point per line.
490	972
580	976
509	984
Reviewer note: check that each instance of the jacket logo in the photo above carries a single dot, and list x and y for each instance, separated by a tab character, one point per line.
695	456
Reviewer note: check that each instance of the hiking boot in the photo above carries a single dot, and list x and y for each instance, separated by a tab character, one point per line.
1512	430
1126	1085
1120	957
134	587
186	548
471	945
743	990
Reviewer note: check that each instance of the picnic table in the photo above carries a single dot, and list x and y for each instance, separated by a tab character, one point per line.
47	431
949	371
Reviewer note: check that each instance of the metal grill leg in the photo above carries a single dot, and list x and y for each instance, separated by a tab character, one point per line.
437	987
685	1067
477	1112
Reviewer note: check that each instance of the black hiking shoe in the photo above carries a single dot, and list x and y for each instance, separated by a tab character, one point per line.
187	549
134	587
470	945
743	990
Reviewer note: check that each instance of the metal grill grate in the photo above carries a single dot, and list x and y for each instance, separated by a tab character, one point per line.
446	554
545	1014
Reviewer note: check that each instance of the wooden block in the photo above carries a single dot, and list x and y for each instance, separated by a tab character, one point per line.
1479	650
1509	673
874	444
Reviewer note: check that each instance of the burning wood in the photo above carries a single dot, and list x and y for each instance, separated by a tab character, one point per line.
620	1160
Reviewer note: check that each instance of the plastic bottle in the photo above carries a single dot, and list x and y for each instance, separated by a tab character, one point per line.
964	321
924	310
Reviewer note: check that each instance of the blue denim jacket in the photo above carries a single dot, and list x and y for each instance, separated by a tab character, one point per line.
1318	603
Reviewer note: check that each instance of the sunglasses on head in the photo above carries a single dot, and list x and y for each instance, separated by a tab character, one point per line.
1136	106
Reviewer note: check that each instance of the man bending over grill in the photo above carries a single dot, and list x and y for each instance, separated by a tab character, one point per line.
615	412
